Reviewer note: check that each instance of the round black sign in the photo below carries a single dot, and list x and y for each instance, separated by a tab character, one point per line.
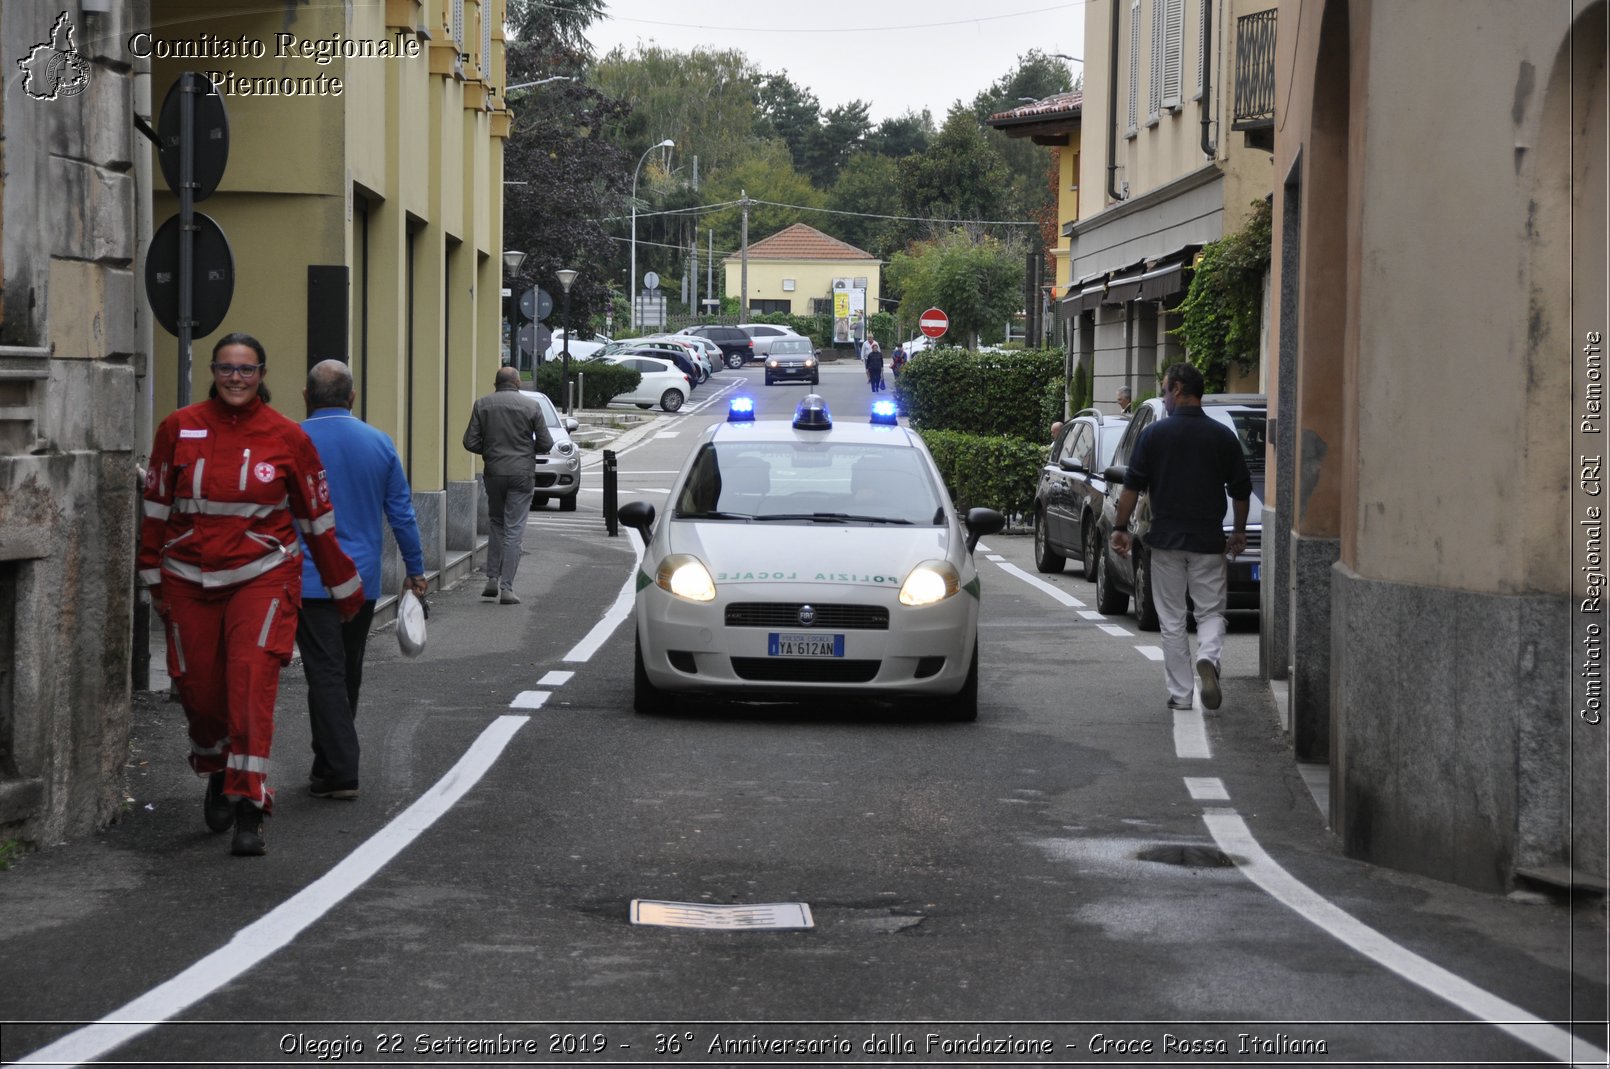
212	276
210	136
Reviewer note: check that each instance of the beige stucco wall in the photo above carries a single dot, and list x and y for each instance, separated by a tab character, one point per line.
812	278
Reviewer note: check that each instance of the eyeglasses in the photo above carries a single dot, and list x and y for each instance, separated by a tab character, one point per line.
245	371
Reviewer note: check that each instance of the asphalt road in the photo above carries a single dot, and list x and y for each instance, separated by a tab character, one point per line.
1048	885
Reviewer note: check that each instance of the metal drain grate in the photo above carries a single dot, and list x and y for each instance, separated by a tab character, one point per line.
764	916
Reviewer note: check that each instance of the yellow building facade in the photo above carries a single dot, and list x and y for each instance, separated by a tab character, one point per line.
794	271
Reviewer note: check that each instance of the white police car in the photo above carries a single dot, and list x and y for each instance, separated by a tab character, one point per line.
806	560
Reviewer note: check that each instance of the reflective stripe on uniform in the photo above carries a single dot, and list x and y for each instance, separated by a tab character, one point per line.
230	576
156	510
178	647
346	589
245	465
195	479
187	505
319	526
205	751
150	576
246	763
268	622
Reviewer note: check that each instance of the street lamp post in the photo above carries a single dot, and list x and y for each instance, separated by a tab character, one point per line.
566	278
511	266
631	281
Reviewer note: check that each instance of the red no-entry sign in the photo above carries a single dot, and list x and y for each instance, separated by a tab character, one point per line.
933	323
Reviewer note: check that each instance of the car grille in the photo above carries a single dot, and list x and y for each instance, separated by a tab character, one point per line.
828	617
796	670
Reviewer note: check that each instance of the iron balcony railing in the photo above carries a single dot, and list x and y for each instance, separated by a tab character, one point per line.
1254	71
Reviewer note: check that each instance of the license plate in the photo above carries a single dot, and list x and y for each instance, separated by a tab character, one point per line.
785	644
1255	573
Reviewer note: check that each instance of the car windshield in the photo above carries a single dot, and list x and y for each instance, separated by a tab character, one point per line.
783	346
550	415
810	483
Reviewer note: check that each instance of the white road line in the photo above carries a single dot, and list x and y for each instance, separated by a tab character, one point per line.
255	942
1116	631
1091	614
1207	788
984	549
1234	838
555	678
530	699
1190	735
1152	653
620	610
997	558
1041	585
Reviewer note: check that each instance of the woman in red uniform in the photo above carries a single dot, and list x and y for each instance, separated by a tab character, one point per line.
230	482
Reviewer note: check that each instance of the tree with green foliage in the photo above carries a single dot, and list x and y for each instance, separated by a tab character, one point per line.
768	174
903	135
868	187
554	24
959	178
977	279
1221	318
838	139
788	113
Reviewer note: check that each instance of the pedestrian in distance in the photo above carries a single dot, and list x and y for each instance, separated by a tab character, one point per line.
507	430
230	483
874	366
1124	400
897	360
367	485
1056	429
1187	463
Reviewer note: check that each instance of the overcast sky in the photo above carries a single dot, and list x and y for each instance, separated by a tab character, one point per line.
898	55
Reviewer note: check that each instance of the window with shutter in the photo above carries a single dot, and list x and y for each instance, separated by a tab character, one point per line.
458	23
1154	79
1173	12
486	40
1201	43
1134	66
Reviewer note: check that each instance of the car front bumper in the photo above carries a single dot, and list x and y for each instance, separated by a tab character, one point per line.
558	477
692	647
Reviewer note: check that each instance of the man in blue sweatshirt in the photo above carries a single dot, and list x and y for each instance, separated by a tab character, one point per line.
367	484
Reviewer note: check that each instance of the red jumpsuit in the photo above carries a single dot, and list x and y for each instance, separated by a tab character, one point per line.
226	491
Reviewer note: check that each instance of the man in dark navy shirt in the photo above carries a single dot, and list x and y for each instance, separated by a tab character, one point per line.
1186	463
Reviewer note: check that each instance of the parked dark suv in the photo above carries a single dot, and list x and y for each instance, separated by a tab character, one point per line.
736	346
1073	485
1120	578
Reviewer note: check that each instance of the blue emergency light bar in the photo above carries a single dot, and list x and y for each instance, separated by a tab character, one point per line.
741	410
885	412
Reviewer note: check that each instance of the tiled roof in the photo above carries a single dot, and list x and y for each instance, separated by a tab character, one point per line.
801	242
1070	103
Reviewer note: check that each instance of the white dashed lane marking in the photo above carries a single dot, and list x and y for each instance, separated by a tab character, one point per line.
1190	735
1044	587
1116	631
555	679
1151	653
530	699
1207	788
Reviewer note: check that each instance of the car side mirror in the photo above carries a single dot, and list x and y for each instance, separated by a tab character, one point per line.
1115	473
571	424
639	516
1071	464
980	522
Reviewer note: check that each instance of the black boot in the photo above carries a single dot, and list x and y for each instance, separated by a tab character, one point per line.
248	830
218	810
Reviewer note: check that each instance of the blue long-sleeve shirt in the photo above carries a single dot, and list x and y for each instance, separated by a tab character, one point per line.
366	483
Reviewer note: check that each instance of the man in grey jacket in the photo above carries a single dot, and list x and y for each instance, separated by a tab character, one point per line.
507	430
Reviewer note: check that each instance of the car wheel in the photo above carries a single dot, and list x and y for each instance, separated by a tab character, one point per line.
643	406
568	503
1145	608
1092	541
539	501
1045	558
770	381
1109	601
734	361
647	699
963	705
671	400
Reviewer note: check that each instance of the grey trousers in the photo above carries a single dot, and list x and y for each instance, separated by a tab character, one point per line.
508	503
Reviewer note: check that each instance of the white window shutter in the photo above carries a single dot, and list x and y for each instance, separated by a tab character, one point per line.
1173	51
486	40
1201	43
1134	65
1154	81
458	24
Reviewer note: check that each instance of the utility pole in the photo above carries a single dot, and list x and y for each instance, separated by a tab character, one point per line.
743	261
693	270
710	265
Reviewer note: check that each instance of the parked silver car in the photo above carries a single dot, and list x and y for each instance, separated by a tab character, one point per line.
1073	485
558	470
763	334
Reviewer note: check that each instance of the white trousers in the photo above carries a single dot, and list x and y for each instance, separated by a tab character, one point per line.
1176	573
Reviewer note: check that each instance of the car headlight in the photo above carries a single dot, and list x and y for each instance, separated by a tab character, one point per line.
772	362
564	449
686	576
810	361
930	582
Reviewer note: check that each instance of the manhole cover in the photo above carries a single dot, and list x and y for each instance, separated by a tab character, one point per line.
1190	857
769	915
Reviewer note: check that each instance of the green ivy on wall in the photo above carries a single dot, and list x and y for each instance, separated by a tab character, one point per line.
1221	316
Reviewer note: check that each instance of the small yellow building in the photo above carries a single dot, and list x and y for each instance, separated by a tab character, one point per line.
796	271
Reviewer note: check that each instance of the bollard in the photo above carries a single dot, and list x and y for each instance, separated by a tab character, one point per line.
611	517
581	390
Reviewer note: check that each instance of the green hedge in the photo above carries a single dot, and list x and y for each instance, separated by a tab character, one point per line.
981	393
989	471
600	380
